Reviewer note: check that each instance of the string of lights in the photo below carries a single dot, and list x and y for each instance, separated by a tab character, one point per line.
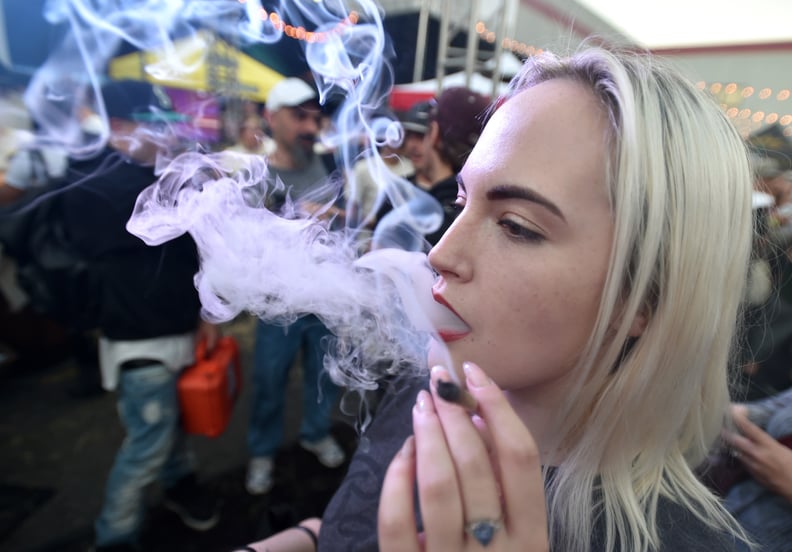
299	32
515	46
730	96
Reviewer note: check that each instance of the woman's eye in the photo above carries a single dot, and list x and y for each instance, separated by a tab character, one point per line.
520	232
458	205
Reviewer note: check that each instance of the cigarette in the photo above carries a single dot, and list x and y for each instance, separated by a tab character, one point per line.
454	393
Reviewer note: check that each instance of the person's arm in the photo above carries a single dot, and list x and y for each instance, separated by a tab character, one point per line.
760	411
9	194
300	538
16	178
768	461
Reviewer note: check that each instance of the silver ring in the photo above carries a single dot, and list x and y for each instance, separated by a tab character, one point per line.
483	530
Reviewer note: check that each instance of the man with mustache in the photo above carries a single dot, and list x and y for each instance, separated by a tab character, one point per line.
294	115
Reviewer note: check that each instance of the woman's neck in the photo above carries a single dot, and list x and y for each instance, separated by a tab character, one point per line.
538	407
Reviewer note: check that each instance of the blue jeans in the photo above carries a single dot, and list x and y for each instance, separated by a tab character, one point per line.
275	351
154	449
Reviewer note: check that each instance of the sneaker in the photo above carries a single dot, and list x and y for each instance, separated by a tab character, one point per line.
259	475
327	451
198	509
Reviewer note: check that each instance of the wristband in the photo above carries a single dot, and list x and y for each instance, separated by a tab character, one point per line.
310	532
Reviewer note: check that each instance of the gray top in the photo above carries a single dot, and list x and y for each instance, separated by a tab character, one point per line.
301	184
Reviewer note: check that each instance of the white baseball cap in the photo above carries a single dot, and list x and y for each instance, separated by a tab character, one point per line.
289	92
761	200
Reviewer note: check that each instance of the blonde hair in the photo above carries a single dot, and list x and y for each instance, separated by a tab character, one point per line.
645	411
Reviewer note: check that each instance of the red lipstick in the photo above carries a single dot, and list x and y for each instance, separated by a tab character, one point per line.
447	334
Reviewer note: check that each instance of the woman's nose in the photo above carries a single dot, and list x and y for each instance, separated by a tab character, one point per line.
450	256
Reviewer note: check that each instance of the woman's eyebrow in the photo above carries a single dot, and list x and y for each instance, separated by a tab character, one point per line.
508	191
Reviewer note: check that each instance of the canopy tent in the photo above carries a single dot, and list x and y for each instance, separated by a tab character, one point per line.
404	96
202	62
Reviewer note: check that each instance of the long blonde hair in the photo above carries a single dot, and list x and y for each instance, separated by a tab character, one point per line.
645	412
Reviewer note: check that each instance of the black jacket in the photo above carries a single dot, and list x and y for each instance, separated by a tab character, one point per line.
79	263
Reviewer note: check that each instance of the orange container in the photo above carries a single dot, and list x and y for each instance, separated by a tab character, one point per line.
209	388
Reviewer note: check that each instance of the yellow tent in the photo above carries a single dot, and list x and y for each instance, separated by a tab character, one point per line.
200	62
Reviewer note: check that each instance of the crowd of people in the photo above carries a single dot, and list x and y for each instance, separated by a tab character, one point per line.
618	403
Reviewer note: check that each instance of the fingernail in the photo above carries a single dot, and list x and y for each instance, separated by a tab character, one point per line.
438	373
423	402
437	370
408	448
475	376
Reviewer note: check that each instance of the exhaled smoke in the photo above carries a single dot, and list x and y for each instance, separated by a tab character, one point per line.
379	306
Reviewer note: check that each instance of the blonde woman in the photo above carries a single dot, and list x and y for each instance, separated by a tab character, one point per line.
599	260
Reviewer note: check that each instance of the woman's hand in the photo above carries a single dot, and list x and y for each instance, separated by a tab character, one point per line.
768	461
479	480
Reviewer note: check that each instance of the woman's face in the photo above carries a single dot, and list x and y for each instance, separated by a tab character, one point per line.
525	262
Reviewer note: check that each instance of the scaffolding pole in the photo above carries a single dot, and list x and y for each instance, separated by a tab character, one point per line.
442	45
420	41
471	53
506	27
466	58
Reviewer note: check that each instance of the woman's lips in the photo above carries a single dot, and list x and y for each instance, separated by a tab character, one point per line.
450	334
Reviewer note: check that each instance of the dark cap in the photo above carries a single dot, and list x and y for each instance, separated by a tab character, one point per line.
417	118
460	114
138	101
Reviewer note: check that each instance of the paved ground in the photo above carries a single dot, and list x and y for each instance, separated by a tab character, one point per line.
55	452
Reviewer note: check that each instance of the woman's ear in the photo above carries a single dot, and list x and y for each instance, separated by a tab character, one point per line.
639	323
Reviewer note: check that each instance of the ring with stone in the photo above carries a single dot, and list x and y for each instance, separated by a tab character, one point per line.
483	530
